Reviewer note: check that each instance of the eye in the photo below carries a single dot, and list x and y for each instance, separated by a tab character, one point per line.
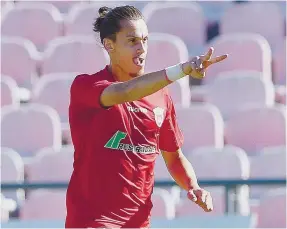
145	39
132	40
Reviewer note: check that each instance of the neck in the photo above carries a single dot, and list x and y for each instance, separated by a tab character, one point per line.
119	73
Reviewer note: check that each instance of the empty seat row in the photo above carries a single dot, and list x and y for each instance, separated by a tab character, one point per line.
83	54
50	205
45	167
201	124
189	16
230	92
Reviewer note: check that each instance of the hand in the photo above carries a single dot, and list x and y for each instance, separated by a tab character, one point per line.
202	198
197	65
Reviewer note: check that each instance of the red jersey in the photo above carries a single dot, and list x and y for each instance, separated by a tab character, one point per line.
115	152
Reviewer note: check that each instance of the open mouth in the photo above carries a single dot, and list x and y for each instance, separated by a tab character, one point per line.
138	61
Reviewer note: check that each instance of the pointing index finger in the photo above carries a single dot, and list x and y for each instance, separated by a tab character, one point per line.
218	59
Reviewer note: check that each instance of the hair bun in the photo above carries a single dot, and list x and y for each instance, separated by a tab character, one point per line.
103	11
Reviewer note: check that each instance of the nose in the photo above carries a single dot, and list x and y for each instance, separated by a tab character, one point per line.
142	48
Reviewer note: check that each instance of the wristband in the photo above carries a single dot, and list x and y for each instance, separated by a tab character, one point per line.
174	73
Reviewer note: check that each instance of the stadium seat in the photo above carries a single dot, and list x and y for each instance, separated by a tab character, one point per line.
257	128
213	10
175	52
199	221
230	158
12	171
272	209
9	92
279	73
74	54
30	128
185	20
270	163
7	206
47	163
252	48
38	22
44	204
65	5
163	205
227	163
198	93
20	53
44	92
81	17
253	19
235	91
202	125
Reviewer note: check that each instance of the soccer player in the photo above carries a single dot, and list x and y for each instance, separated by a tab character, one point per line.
121	119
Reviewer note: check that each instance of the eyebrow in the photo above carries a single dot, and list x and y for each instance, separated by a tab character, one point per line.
134	36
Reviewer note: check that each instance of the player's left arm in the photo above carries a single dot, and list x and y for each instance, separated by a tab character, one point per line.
184	175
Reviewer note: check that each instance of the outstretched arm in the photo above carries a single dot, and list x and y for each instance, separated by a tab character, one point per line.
150	83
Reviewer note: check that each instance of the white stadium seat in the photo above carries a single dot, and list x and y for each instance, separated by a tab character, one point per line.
185	20
202	125
74	54
272	209
270	163
253	18
255	129
48	162
44	205
252	48
44	92
9	92
235	91
22	53
30	128
65	5
7	206
210	163
12	171
81	17
38	22
163	204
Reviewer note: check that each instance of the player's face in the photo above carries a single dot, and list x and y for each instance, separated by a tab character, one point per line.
130	47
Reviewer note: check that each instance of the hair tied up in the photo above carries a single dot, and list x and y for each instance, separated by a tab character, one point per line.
103	11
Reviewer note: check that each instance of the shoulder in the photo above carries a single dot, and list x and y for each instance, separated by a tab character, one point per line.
83	79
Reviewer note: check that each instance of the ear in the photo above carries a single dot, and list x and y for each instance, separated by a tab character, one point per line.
109	45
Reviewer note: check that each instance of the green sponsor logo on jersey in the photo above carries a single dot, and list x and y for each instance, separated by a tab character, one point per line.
115	143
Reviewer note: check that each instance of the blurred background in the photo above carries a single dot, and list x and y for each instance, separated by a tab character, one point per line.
234	121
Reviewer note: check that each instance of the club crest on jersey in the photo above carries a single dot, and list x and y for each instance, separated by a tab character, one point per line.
158	115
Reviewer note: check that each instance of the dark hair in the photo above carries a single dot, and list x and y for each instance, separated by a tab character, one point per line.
108	23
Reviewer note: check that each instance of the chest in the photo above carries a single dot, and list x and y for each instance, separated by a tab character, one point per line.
147	114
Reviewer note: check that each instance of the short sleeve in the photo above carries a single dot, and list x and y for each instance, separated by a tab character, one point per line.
171	137
87	89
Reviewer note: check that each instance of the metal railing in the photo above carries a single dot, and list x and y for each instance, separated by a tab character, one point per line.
230	187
